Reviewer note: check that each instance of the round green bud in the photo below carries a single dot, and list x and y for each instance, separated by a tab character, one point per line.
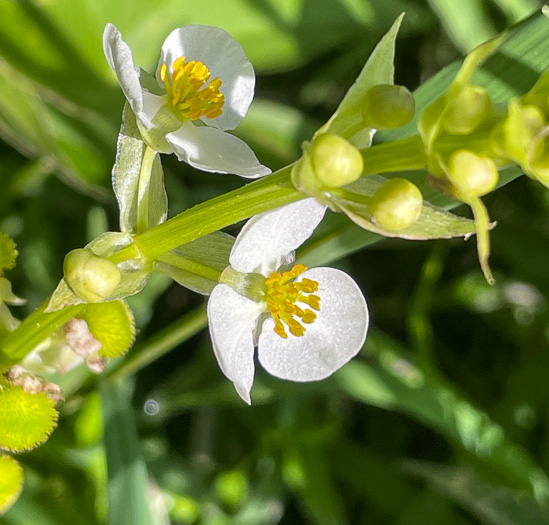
335	161
467	110
397	204
89	276
387	106
471	174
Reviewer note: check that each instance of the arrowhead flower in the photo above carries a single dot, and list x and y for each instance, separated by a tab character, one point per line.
305	323
204	85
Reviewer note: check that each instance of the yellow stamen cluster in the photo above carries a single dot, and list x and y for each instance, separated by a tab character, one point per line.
183	88
282	293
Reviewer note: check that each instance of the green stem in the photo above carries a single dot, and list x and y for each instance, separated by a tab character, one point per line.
144	182
400	155
259	196
190	266
351	196
32	331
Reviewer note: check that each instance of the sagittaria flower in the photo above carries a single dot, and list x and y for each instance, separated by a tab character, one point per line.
305	323
204	85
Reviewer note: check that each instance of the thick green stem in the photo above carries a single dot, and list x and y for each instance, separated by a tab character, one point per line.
32	331
263	195
144	182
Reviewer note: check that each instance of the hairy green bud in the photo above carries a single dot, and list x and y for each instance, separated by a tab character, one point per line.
89	276
472	175
396	204
335	161
467	110
387	106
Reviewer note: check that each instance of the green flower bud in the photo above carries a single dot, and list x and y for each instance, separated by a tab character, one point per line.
335	161
387	107
516	138
467	110
472	175
89	276
397	204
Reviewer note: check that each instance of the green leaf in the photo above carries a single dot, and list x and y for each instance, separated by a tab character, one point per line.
466	22
393	382
492	505
379	69
134	272
433	223
138	180
307	472
11	482
198	264
26	420
127	487
112	324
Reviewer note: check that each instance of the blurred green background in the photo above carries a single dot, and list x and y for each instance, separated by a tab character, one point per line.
443	418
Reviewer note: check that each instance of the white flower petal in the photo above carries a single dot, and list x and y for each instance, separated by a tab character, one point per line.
119	57
232	318
211	149
267	239
224	57
329	342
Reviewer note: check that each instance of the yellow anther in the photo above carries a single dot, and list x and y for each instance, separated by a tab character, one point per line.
188	95
282	293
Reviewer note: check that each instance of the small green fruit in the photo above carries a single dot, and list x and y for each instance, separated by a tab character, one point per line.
336	162
89	276
471	174
387	106
467	110
397	204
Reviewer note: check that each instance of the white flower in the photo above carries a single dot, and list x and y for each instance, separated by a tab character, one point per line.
180	112
305	323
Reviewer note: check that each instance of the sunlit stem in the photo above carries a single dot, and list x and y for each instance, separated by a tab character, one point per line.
32	331
210	216
351	196
144	182
191	266
272	192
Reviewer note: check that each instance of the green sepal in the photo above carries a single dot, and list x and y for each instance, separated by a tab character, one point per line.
138	179
112	324
8	252
26	420
349	120
11	482
433	222
522	138
6	294
197	265
539	94
431	120
483	227
135	271
482	222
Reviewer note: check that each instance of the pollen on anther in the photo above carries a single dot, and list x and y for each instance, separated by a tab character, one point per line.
283	292
188	95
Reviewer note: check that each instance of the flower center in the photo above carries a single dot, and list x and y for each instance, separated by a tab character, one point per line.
282	293
184	90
